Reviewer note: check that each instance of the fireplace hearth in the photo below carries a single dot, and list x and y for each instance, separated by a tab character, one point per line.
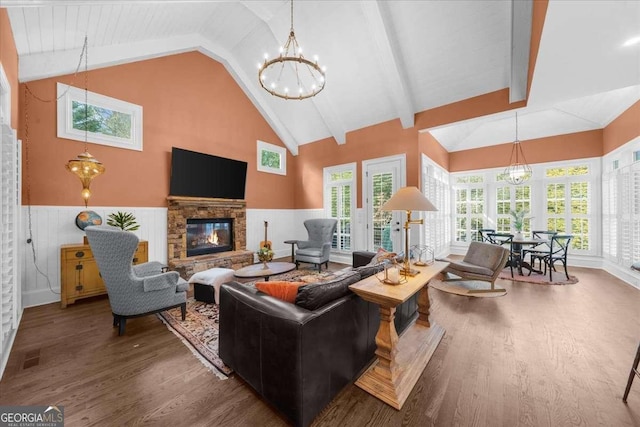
209	235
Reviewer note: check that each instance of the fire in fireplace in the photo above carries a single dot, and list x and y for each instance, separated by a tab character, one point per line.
209	235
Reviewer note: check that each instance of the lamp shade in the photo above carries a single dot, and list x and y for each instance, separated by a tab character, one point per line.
408	199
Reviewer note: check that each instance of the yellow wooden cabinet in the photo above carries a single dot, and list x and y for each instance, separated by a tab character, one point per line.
80	277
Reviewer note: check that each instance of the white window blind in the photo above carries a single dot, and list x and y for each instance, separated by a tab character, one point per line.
339	203
10	163
437	225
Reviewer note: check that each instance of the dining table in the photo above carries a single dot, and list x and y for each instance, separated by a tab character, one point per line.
518	245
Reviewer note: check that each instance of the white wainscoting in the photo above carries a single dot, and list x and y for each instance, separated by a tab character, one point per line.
54	226
284	224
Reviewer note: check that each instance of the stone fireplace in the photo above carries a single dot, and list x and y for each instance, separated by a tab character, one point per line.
205	233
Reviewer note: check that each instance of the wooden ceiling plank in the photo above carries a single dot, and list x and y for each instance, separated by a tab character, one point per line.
59	24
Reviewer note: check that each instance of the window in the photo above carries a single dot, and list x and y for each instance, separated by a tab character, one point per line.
469	207
561	196
636	156
508	198
271	158
339	202
568	206
101	119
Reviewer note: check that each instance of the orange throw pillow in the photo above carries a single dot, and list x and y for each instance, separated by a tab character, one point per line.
285	291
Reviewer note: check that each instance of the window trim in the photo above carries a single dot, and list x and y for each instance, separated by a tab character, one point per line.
67	94
327	183
281	151
538	185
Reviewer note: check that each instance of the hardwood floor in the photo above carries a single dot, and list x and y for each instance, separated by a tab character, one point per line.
539	356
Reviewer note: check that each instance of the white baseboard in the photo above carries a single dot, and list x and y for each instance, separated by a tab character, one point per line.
38	297
341	258
624	274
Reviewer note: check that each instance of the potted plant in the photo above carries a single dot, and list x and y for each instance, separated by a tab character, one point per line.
518	216
265	255
123	220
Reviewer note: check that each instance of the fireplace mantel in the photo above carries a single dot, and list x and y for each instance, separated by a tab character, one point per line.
203	201
182	208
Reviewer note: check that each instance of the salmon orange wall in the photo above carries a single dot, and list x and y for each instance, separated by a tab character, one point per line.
563	147
189	101
9	61
430	147
623	129
381	140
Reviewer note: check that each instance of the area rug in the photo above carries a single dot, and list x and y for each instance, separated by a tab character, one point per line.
199	332
558	278
462	287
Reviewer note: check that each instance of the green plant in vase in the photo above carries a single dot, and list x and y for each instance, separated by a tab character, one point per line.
265	254
124	220
519	215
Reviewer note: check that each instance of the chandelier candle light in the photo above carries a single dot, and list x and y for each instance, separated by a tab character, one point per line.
518	170
85	166
408	199
290	75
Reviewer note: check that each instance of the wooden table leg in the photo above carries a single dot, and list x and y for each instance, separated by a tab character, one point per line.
424	305
386	341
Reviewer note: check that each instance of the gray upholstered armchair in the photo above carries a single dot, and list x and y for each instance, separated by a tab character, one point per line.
483	261
317	249
133	290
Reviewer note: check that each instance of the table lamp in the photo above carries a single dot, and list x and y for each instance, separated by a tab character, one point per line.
408	199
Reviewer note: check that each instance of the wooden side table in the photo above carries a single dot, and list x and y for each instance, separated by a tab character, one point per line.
400	360
293	245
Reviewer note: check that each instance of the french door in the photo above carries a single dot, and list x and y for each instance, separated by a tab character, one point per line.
382	178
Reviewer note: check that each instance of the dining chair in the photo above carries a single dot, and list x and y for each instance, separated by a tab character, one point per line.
506	240
483	234
541	248
558	250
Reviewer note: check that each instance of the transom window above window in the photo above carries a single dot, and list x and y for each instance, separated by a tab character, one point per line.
567	171
472	179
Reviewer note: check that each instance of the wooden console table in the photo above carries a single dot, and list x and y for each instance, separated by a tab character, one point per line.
400	361
79	274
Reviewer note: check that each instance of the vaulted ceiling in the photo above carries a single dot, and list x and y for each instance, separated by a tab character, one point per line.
385	59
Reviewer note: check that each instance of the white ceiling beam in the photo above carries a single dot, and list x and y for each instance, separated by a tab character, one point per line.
521	19
390	61
325	108
252	91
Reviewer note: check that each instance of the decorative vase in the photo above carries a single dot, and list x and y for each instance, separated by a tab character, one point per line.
265	257
518	235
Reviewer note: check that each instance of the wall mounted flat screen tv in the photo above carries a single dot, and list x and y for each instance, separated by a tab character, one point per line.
196	174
